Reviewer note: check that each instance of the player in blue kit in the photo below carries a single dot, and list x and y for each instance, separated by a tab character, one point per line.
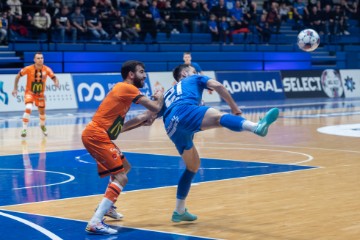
183	117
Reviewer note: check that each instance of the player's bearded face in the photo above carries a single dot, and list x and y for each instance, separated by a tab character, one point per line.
139	79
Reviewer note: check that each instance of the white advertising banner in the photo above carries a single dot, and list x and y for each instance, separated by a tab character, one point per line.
56	98
164	80
351	82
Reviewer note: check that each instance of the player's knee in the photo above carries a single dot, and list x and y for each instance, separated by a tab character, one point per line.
120	178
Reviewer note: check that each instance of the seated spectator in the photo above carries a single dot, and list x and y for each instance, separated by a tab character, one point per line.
182	16
63	25
225	31
132	26
273	18
340	24
263	29
41	23
284	12
94	25
315	20
77	20
327	20
148	25
3	28
300	14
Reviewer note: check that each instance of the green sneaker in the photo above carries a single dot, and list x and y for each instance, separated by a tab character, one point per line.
44	130
264	123
186	216
23	133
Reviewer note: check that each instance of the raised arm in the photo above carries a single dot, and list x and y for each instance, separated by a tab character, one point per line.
154	106
224	94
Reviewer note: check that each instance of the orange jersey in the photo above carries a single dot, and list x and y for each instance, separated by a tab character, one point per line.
112	111
36	79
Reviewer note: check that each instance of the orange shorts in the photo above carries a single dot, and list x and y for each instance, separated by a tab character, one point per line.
39	100
107	155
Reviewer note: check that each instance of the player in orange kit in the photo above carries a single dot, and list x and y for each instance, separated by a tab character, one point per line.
35	88
105	126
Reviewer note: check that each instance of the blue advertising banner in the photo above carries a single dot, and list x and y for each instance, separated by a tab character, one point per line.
92	89
245	86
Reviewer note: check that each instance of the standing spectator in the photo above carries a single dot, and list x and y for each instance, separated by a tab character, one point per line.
213	28
225	31
94	25
42	23
77	19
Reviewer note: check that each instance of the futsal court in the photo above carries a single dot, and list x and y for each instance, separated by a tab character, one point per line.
300	182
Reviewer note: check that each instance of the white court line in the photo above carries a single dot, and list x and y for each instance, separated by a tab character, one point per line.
71	177
143	229
33	225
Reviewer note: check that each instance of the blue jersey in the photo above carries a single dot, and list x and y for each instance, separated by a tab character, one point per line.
186	92
181	112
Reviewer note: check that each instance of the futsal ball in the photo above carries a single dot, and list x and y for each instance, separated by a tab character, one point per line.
308	40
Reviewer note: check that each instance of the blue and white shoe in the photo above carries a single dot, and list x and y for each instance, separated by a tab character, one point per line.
100	228
266	121
186	216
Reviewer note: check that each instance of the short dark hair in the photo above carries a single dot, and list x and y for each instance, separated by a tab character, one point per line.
177	71
130	66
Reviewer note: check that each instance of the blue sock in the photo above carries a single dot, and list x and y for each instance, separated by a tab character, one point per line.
232	122
184	184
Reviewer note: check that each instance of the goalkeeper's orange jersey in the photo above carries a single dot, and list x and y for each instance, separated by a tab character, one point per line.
36	78
111	113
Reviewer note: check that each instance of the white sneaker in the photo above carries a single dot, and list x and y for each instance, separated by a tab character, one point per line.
100	228
113	213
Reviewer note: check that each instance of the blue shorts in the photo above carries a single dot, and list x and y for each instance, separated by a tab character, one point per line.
182	123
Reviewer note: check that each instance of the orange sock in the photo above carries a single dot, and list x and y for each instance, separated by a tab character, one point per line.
113	191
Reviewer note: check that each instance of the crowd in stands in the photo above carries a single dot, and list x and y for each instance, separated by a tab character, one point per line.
130	21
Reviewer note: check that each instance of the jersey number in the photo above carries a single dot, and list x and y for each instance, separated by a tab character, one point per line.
173	94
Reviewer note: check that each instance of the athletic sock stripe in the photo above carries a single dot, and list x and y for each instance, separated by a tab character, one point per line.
111	170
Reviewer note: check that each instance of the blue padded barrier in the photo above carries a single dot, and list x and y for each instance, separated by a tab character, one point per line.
205	48
120	56
56	67
287	65
233	48
103	47
175	47
98	67
134	48
37	47
287	56
48	57
70	47
227	56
